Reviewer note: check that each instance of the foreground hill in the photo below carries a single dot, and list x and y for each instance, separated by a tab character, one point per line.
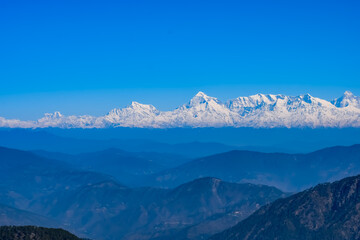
34	233
289	172
193	210
328	211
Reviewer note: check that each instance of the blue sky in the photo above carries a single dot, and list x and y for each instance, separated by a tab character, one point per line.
86	57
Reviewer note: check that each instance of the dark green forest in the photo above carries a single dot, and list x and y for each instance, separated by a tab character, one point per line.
34	233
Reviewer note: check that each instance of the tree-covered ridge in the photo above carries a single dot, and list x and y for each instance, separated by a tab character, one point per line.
328	212
34	233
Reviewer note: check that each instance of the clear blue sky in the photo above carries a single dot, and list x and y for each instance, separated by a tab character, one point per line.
86	57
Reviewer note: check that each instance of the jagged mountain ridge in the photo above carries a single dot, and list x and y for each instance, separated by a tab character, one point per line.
284	171
259	111
327	211
98	206
193	211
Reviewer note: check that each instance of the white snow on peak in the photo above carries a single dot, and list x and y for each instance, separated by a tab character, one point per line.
201	111
254	101
201	94
348	93
136	105
348	99
201	98
136	114
53	115
259	111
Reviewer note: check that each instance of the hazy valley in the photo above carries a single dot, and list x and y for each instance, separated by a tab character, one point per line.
179	190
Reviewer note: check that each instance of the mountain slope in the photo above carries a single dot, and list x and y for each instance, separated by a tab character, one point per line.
30	182
129	168
327	211
285	171
259	111
12	216
347	100
108	210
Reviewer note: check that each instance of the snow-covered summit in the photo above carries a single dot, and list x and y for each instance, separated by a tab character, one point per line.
141	107
259	111
247	104
136	114
201	111
54	115
346	100
202	101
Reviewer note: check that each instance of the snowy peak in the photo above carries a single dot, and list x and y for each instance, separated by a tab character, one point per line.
134	115
143	107
54	115
201	94
201	98
306	98
255	100
348	94
258	111
348	99
134	108
201	111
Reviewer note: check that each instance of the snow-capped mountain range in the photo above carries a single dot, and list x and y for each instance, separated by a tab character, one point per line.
258	111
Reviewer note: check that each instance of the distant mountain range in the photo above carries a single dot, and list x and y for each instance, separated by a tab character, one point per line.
188	142
25	139
288	172
127	167
257	111
328	211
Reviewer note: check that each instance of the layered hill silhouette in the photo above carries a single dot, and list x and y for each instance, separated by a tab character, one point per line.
95	205
327	211
111	211
289	172
187	142
34	140
285	171
129	168
34	183
194	206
